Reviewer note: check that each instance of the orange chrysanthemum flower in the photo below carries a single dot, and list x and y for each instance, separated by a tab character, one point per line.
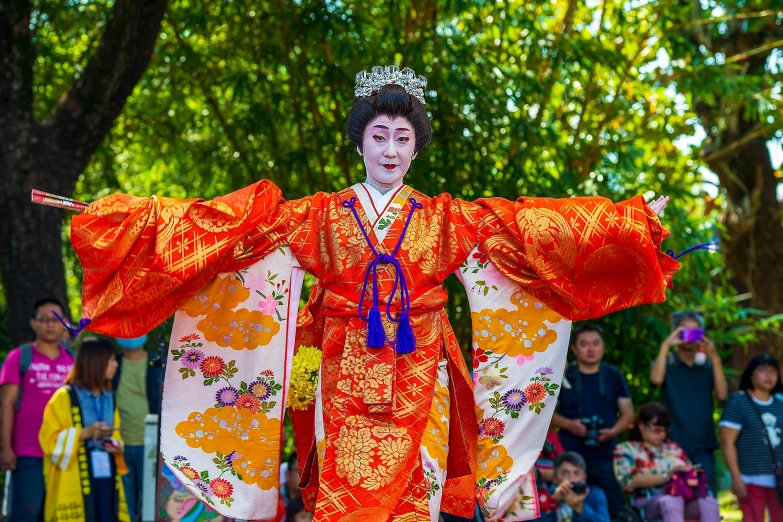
221	488
191	473
212	366
248	401
535	392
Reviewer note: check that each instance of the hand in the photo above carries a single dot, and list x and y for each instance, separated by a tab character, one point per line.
7	459
112	446
739	488
659	204
674	338
577	428
708	348
562	490
605	434
565	493
99	430
679	465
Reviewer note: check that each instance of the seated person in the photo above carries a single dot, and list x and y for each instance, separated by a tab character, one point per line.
645	463
575	503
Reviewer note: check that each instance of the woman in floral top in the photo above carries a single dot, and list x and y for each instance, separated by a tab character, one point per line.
644	464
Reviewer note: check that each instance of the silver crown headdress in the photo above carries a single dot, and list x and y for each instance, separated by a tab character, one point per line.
370	83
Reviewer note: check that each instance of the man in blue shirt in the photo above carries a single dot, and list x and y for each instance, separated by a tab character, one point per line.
594	408
589	506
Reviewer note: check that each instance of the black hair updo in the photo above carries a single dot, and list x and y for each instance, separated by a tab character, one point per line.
392	101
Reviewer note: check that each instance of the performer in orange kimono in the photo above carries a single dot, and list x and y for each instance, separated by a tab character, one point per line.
394	430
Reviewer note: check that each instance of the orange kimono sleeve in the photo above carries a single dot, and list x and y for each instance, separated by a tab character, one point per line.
584	257
142	257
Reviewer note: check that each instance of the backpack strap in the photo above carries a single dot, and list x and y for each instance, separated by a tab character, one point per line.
25	359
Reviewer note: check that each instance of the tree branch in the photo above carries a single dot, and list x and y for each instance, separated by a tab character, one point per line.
88	111
745	55
759	130
736	16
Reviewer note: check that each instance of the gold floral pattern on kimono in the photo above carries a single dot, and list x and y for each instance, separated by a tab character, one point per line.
436	435
253	437
517	333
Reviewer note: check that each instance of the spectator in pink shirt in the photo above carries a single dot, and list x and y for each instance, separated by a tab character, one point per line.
29	377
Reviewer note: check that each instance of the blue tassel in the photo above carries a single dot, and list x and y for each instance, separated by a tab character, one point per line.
406	342
376	336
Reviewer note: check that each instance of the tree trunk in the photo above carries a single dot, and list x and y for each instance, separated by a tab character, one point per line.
51	155
736	152
32	266
754	249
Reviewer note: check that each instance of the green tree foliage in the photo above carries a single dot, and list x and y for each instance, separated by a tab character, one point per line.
527	98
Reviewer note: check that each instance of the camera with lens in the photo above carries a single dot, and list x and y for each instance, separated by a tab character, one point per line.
593	425
548	451
579	488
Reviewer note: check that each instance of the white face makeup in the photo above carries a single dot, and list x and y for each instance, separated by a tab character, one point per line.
389	146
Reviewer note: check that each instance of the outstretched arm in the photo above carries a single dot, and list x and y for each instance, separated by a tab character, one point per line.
142	257
583	257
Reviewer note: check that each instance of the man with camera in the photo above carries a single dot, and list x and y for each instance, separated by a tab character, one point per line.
594	408
688	366
576	501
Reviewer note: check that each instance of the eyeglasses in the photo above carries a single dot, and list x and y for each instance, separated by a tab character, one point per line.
46	320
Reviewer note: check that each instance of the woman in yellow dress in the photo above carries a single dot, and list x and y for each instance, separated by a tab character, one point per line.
82	447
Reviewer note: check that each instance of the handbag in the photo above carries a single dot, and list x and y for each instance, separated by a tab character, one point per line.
775	463
690	484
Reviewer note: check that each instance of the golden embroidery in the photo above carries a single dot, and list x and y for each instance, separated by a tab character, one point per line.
354	453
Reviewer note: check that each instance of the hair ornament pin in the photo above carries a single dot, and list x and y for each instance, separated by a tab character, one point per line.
369	83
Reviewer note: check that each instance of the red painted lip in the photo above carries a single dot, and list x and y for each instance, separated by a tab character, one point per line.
389	166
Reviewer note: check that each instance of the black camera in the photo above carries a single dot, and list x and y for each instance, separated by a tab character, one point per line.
548	451
579	488
593	425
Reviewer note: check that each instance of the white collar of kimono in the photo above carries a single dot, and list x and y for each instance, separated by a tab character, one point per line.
376	205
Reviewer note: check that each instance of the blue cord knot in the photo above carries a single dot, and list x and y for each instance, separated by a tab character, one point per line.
73	330
405	341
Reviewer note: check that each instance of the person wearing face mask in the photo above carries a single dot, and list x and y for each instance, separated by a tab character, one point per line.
751	432
136	387
383	409
693	369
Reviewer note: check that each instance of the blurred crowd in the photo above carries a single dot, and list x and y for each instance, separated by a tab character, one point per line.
60	435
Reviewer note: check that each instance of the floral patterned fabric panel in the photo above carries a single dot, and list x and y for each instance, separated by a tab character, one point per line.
519	355
435	443
225	391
